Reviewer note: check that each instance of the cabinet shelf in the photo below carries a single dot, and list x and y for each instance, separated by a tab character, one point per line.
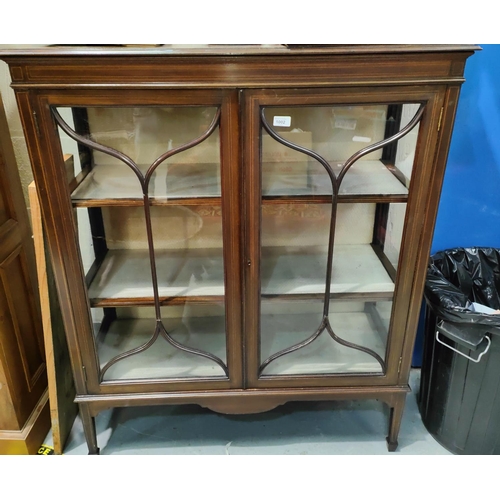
356	270
124	277
107	185
367	181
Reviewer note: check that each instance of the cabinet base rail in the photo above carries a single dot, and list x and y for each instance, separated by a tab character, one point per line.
242	401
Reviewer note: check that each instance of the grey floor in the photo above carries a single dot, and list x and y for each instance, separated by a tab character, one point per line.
325	428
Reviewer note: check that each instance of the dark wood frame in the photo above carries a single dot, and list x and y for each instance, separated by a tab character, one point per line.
329	75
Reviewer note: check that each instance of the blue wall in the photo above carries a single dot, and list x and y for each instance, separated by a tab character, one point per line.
469	209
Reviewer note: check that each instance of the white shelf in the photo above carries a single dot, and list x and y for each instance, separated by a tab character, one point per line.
120	182
365	177
126	274
162	360
356	269
324	355
370	177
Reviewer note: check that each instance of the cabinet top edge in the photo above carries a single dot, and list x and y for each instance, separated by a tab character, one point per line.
9	51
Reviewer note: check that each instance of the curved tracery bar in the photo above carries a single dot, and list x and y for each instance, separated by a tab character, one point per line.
336	181
99	147
144	180
369	149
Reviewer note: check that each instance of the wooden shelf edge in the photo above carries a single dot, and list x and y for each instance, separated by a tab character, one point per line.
143	296
138	202
326	199
208	299
149	301
267	200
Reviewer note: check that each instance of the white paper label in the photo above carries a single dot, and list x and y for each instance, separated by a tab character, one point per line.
282	121
358	138
345	123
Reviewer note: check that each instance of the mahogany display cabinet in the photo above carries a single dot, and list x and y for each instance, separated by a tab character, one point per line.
242	226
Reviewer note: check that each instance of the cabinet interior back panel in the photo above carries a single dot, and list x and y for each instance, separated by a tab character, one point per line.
174	227
200	227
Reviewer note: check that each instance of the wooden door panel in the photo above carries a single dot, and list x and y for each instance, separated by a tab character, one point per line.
22	364
15	300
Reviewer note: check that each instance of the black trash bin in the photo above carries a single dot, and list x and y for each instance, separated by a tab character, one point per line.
459	396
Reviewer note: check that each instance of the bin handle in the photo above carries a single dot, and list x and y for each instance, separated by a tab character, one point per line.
461	353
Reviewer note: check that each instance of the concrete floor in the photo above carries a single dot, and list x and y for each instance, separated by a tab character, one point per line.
324	428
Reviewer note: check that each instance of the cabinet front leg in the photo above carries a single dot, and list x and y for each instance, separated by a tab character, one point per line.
397	408
89	429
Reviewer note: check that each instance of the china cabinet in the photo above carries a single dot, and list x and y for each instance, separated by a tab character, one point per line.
244	225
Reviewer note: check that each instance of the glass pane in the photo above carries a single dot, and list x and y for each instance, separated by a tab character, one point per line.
187	247
294	261
145	134
336	133
406	146
195	326
287	323
394	232
295	250
345	314
182	252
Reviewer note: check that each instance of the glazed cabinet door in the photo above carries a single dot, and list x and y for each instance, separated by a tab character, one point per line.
152	279
337	185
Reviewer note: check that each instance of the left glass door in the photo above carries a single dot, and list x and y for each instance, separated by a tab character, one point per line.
147	188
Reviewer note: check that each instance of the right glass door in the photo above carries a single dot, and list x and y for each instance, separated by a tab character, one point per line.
334	187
